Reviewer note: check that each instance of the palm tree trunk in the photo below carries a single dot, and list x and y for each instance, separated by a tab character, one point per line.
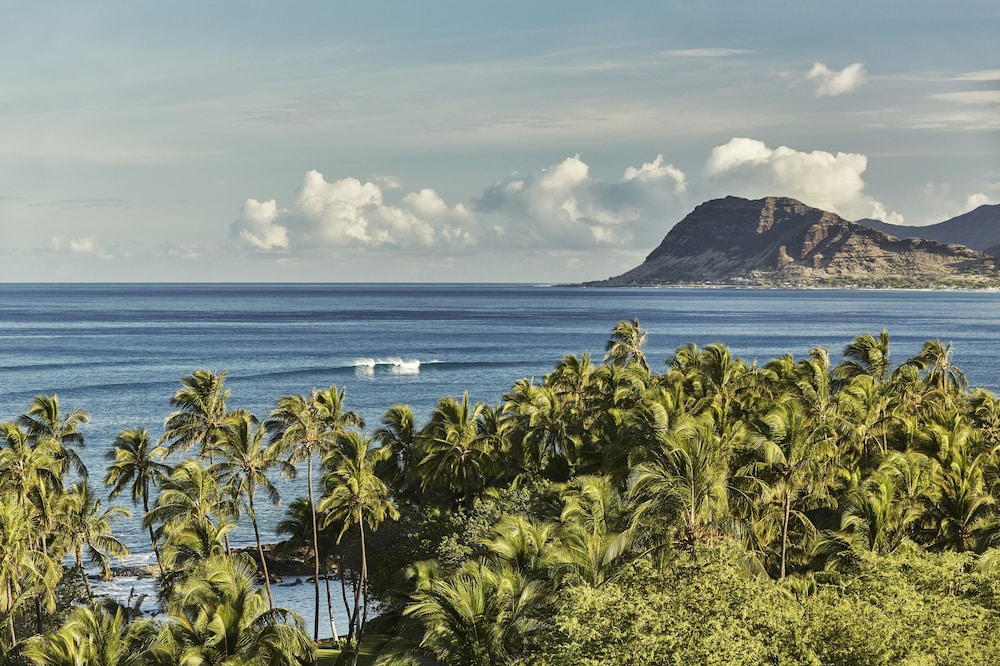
152	538
83	574
343	593
260	551
784	531
362	590
329	603
312	508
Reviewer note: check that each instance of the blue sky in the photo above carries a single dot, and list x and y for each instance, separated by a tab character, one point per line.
468	141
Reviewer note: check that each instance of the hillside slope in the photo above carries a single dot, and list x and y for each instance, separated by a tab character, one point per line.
781	241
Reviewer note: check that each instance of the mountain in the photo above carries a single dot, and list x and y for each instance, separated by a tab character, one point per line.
780	241
978	229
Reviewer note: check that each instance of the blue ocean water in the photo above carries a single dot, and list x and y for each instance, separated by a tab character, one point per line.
118	351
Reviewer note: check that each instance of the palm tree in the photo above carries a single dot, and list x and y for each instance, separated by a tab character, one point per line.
525	545
219	616
876	518
590	549
244	465
687	475
546	438
940	375
959	502
101	635
201	407
138	465
398	436
866	355
44	420
356	496
191	502
625	345
27	573
477	617
457	459
794	461
307	427
89	529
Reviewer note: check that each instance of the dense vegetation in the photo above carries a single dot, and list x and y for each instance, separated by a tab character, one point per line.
712	512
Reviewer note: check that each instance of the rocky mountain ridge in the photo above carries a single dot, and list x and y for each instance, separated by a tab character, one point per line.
978	229
779	241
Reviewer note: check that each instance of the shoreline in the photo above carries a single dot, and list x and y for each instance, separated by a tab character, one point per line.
279	564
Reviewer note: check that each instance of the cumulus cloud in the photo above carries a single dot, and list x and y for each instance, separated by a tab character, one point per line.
818	178
257	226
831	83
938	202
565	203
73	245
348	213
559	207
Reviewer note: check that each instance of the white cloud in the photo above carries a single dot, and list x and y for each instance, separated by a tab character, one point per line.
347	213
564	206
257	226
978	199
74	245
656	171
972	97
982	75
939	203
818	178
831	83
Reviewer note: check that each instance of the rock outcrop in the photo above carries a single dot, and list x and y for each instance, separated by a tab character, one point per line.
780	241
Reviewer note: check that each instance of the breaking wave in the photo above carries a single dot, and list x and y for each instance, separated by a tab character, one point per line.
392	364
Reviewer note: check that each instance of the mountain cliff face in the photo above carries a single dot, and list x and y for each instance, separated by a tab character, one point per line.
781	241
978	229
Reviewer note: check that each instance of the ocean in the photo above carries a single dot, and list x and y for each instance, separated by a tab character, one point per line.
118	351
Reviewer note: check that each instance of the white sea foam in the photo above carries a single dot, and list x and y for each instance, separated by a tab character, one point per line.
393	364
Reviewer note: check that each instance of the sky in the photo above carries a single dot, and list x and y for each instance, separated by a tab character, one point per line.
468	141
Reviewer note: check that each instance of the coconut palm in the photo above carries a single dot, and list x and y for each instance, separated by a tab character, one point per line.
959	503
545	436
866	355
874	519
398	435
940	375
219	616
625	345
864	419
44	420
31	472
27	573
524	545
794	461
200	406
457	460
137	466
191	502
685	478
101	635
356	497
591	549
477	617
244	462
306	427
88	528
